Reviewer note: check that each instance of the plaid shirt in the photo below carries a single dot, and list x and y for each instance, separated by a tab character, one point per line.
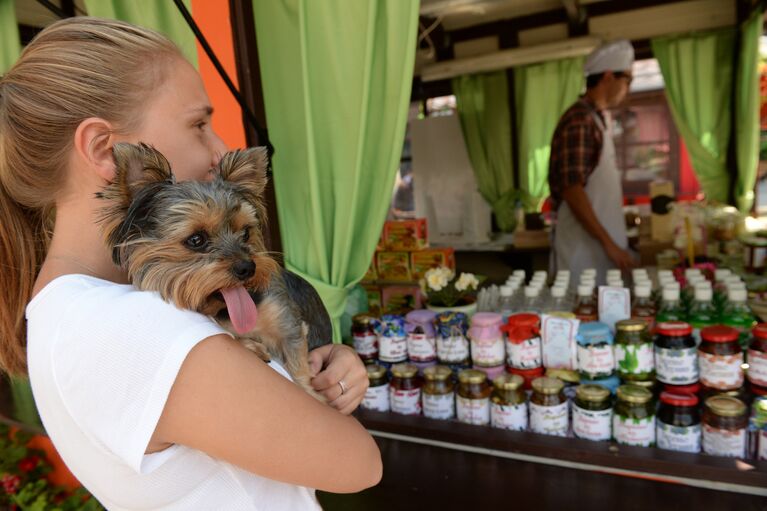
575	149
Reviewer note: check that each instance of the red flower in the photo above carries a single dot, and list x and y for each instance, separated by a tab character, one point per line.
29	464
10	483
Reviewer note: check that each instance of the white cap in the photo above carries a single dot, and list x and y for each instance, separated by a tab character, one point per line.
615	283
514	285
642	291
565	283
563	273
613	273
507	291
614	56
722	273
519	273
694	280
736	285
670	294
531	291
558	292
543	273
691	271
737	295
585	290
664	273
589	272
733	278
638	271
703	294
672	285
704	283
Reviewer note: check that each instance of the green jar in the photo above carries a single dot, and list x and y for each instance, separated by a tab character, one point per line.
592	412
634	351
634	417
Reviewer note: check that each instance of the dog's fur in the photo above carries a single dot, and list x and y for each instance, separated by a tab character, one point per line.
183	240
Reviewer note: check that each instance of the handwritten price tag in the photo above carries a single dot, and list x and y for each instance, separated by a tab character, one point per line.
558	342
614	305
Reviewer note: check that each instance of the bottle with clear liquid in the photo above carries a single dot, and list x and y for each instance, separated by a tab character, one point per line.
558	301
642	306
586	308
702	312
737	314
671	308
531	303
506	302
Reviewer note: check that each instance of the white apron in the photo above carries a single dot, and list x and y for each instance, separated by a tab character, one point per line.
574	248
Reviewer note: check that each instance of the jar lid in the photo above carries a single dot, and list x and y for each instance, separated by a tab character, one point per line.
631	325
472	376
611	382
548	385
674	399
523	319
645	384
692	388
562	314
486	319
719	333
758	390
508	382
375	371
365	319
634	394
437	373
420	316
404	370
760	331
726	406
527	373
594	332
589	392
674	329
566	375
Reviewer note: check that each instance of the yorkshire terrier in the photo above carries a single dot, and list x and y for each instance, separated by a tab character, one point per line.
199	245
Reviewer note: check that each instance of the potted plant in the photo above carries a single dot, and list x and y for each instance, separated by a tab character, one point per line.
445	291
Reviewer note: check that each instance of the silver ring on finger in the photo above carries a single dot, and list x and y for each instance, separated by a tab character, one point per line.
343	386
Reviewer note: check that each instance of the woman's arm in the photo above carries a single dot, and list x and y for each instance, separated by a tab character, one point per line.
230	404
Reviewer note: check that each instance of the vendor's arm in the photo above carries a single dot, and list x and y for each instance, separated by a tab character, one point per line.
575	197
230	404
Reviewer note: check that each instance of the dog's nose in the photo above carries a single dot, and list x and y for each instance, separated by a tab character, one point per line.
243	270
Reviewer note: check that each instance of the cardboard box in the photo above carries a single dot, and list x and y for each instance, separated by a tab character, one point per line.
661	199
405	234
372	273
393	266
400	299
424	260
374	298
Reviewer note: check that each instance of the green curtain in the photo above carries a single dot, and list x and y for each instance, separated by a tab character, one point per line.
747	111
337	79
483	107
698	73
10	42
160	15
542	94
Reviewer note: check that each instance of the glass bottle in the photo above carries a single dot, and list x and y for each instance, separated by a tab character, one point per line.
634	354
558	301
506	305
508	408
642	307
725	420
592	413
586	308
548	407
438	396
671	308
405	390
737	314
532	302
678	426
473	401
634	417
676	357
377	395
702	312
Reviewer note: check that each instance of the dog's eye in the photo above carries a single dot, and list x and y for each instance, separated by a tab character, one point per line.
197	241
246	235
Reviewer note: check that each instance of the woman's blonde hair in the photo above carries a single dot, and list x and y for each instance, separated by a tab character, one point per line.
74	69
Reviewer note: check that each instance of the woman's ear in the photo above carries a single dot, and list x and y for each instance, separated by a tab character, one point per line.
93	146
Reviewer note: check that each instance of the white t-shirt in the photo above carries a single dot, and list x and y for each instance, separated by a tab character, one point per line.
102	359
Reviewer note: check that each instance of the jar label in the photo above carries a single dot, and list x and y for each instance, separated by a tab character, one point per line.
678	438
592	424
595	359
473	411
630	431
723	442
524	355
439	406
421	348
376	398
549	420
558	342
406	402
392	349
366	345
634	358
488	352
676	366
762	454
513	417
722	372
452	349
757	367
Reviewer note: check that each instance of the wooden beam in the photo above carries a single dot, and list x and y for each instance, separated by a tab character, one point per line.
576	18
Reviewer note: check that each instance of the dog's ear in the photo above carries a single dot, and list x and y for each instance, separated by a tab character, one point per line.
137	165
247	169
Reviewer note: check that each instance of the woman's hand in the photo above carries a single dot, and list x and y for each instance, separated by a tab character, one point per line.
334	363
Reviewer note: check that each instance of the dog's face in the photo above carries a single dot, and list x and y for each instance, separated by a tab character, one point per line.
188	240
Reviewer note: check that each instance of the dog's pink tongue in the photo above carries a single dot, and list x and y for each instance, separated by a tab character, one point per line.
242	309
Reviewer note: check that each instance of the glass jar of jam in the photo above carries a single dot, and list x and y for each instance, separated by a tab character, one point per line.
377	395
634	351
676	356
528	375
758	429
392	342
720	358
634	417
595	351
570	378
473	401
757	356
725	420
592	413
452	343
508	409
438	393
365	336
548	407
523	341
421	336
487	347
678	425
405	390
